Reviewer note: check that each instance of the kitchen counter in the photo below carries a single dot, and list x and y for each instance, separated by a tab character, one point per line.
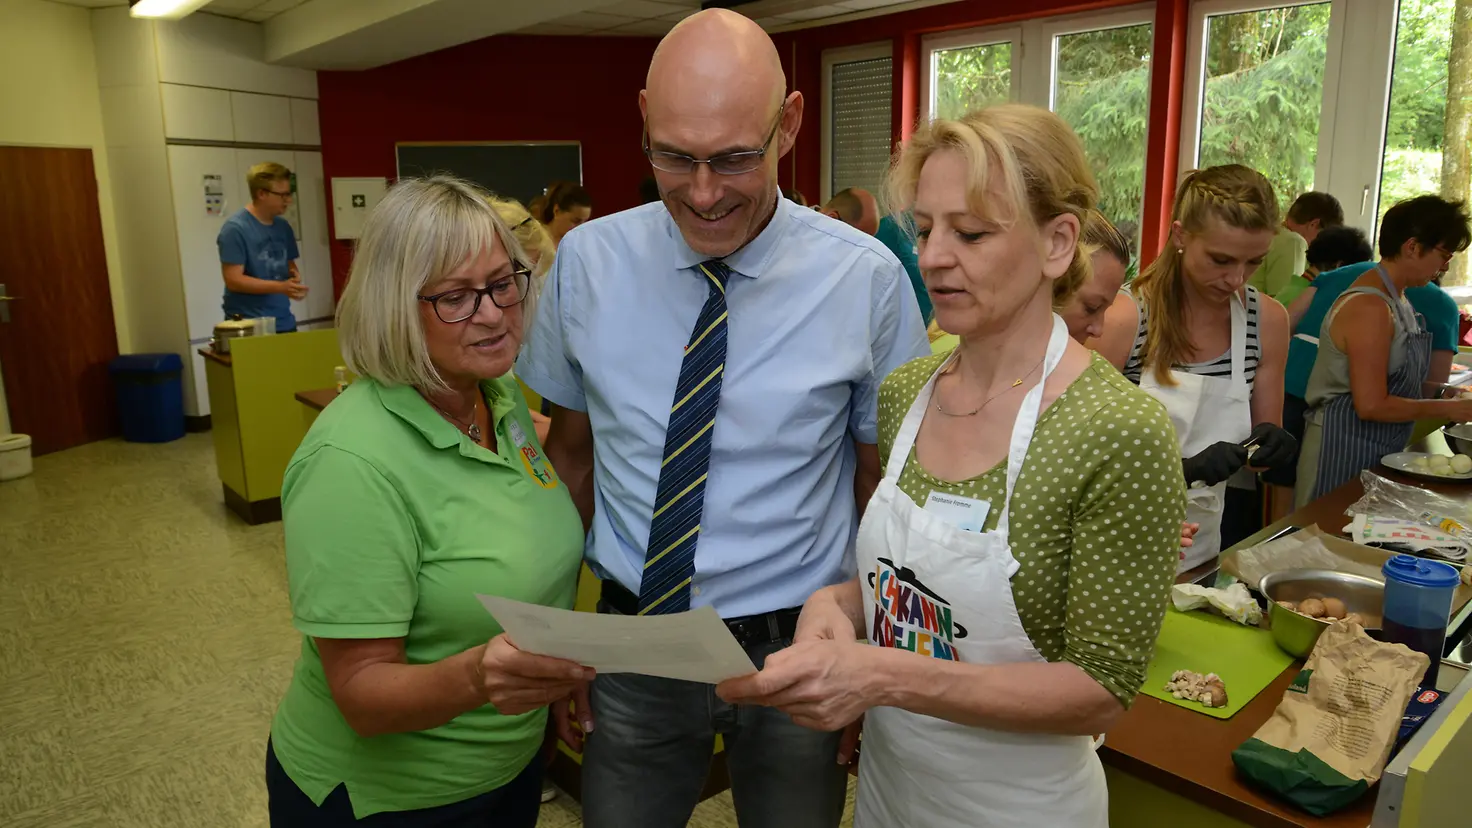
1168	765
317	399
257	422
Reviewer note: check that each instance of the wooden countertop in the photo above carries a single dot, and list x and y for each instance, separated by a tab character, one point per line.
317	399
223	359
1190	754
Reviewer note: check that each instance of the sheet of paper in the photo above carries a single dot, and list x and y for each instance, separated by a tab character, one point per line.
693	646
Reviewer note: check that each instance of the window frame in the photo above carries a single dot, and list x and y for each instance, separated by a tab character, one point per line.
964	39
1351	138
834	57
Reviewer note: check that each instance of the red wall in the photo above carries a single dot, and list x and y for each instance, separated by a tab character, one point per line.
586	88
508	88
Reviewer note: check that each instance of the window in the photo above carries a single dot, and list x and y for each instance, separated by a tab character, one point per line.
969	78
1263	93
858	105
1416	125
1093	70
1101	87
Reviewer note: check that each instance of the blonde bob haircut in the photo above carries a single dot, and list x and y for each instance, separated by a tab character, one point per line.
1025	164
1235	195
422	230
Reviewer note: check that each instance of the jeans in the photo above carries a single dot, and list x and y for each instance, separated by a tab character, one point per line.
513	805
646	761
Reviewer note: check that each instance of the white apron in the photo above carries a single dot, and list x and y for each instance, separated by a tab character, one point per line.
1204	411
947	593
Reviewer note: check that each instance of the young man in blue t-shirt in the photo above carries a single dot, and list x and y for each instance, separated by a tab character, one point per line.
258	251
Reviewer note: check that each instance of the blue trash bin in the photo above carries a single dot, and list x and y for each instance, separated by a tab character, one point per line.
150	396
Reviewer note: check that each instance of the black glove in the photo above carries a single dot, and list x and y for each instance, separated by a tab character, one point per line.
1276	448
1215	463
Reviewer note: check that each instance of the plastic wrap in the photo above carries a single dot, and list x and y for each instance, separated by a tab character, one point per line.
1386	498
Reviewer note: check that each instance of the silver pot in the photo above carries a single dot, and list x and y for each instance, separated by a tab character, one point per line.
232	329
1296	634
1459	438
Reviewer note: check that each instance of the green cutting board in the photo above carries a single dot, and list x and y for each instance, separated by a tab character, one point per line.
1246	658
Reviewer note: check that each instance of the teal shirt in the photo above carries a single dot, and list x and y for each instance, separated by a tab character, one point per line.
893	236
1443	320
394	522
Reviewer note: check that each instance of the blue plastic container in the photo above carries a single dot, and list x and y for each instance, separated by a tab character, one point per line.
150	396
1418	605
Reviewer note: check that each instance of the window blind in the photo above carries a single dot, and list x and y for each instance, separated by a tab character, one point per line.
862	96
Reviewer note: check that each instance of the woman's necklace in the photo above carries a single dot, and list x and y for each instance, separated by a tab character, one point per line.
471	428
988	400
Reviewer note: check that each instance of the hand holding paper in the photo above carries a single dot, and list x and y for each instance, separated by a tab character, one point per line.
518	682
692	646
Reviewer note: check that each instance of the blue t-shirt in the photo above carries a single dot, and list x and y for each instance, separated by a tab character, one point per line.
265	250
893	236
1443	320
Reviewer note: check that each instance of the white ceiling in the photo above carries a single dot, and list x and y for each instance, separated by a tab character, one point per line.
359	34
254	10
657	17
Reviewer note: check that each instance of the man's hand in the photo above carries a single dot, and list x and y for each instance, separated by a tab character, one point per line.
295	289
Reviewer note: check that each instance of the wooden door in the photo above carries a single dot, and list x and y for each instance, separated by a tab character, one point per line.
55	348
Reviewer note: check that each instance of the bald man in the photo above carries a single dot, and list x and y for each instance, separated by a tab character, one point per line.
714	364
858	208
855	207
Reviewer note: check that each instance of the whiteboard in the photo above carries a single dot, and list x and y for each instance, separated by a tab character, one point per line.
518	170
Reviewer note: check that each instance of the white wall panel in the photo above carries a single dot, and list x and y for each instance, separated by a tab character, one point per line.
261	119
199	257
207	50
305	128
197	113
316	262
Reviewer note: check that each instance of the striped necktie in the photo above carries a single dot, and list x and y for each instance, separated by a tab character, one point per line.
669	560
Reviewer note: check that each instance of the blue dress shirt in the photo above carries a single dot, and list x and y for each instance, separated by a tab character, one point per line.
816	323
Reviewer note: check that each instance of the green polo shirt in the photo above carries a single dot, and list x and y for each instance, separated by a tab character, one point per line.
394	521
1285	259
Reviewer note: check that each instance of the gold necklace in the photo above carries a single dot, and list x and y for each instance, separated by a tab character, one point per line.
988	400
472	428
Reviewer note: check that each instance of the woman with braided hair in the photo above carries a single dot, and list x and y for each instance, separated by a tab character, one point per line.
1209	347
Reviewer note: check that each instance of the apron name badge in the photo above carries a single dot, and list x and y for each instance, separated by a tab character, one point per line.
536	465
965	513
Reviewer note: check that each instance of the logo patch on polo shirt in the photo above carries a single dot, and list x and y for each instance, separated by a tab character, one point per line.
536	464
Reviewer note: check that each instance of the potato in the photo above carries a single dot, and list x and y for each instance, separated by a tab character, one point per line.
1333	607
1288	605
1312	607
1461	464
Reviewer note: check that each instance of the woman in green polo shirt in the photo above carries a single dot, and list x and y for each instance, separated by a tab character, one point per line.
420	487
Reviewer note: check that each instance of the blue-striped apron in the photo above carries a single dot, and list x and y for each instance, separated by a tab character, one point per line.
1349	445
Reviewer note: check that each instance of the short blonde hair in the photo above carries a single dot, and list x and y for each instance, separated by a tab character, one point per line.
261	175
1027	154
422	230
531	234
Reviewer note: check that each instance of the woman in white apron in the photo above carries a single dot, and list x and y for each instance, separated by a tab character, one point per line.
1210	348
1358	416
1015	561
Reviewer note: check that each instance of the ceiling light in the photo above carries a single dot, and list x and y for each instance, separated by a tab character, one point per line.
164	9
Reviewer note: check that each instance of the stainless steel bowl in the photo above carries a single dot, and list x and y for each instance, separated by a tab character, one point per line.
1296	634
1459	438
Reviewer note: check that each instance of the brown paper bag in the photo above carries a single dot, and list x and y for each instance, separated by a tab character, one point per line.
1328	741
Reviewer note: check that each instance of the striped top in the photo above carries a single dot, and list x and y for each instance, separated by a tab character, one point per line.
1219	367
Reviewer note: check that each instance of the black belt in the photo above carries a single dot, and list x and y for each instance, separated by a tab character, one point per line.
749	630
